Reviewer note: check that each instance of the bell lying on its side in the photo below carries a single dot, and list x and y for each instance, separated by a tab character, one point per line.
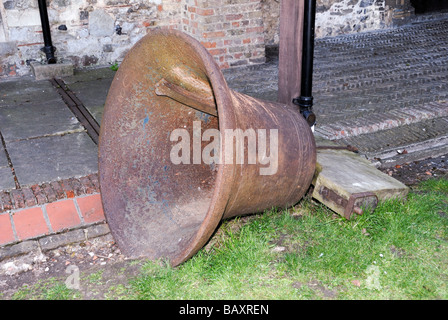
179	151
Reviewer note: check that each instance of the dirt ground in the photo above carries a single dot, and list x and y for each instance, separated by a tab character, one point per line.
75	264
414	172
101	256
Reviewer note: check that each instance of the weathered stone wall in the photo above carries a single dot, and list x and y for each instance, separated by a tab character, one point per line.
85	32
336	17
89	32
271	21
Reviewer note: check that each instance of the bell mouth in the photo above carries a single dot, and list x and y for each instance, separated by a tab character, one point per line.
160	200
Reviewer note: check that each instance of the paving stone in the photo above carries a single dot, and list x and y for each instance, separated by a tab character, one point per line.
53	158
97	230
30	223
93	95
91	208
57	240
6	201
6	230
6	179
62	215
29	198
3	158
18	249
26	91
89	74
393	139
37	120
91	87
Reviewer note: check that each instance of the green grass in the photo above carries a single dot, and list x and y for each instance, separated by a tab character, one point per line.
50	289
400	251
114	67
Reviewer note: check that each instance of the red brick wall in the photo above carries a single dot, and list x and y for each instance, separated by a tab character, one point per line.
231	30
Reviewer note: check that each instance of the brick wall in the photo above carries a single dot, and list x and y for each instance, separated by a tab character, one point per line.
85	32
232	30
90	32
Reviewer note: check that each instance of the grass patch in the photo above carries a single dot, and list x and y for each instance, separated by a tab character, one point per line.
398	252
49	289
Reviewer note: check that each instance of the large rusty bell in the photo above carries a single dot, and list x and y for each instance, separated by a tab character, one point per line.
166	98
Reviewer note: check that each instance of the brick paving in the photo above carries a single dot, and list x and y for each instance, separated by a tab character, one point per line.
379	91
49	208
373	90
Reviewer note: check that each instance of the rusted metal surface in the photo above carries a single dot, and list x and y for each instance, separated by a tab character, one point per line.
358	202
355	203
158	209
204	103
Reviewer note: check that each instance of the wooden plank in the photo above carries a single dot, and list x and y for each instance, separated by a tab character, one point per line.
290	50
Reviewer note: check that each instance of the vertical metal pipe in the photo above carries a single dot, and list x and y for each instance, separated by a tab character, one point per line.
48	48
305	101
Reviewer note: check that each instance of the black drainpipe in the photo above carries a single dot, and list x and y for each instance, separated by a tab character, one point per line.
305	101
48	49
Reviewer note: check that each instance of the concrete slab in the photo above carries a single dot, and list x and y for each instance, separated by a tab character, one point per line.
92	74
93	95
26	91
53	158
347	183
37	120
6	179
3	159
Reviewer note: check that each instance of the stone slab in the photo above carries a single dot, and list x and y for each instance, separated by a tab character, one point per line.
3	158
37	120
93	95
18	249
53	158
49	71
62	239
345	174
6	179
26	91
89	74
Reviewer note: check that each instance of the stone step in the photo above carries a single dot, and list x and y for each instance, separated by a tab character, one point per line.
349	184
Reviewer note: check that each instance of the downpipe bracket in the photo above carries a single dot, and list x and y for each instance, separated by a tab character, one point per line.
306	109
49	53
